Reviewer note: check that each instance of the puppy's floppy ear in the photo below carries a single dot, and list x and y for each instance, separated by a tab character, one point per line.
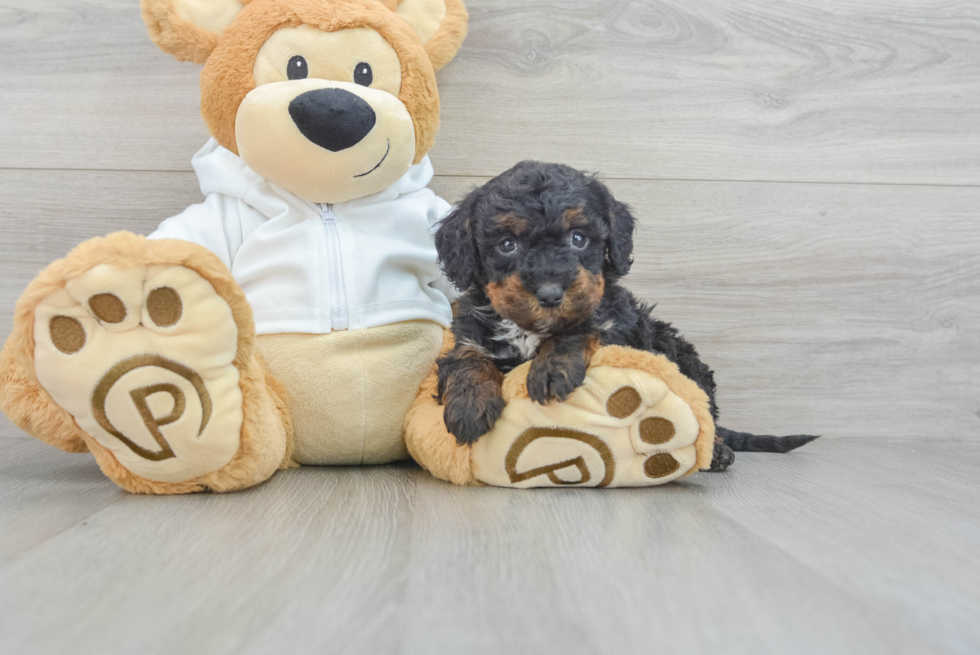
188	29
619	244
456	245
441	24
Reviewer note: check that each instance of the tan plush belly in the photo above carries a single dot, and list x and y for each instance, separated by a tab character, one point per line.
349	391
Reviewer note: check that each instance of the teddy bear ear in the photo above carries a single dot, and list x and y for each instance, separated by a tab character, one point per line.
441	24
188	29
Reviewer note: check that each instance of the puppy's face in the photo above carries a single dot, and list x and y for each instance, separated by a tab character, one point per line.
543	262
538	240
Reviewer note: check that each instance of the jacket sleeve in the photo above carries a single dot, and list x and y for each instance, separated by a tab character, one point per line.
442	283
215	224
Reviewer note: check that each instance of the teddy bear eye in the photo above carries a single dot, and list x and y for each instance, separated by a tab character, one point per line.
297	69
363	74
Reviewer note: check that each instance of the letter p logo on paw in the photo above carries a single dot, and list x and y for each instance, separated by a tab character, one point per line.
140	396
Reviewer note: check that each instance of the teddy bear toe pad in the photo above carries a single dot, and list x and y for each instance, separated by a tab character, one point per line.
621	428
143	359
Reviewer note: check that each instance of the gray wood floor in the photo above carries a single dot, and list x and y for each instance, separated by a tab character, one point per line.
807	178
851	546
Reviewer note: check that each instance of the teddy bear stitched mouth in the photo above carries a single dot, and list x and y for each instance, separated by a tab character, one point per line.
334	119
379	163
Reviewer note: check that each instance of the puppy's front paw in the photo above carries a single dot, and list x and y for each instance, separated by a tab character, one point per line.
554	377
468	417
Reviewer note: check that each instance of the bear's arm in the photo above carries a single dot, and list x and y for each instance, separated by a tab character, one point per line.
215	224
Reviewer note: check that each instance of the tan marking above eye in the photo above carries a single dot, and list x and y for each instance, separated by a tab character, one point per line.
329	56
574	217
107	307
515	224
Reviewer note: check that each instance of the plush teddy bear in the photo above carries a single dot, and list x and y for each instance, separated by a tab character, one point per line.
291	316
294	316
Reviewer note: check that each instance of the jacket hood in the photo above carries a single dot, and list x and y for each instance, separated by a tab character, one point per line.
219	170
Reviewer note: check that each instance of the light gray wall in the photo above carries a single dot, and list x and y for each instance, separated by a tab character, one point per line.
806	175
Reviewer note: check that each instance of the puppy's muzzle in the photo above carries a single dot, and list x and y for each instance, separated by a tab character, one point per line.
549	295
333	119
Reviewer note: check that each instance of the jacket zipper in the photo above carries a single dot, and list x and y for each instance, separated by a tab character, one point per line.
338	297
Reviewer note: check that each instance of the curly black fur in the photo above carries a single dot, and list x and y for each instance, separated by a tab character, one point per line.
538	253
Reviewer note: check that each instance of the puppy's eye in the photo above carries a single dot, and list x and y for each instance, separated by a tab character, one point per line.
297	69
578	240
363	74
507	246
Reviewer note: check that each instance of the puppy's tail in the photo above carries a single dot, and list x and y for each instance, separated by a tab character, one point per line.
762	443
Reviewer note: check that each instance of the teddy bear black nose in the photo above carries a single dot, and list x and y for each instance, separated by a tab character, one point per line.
334	119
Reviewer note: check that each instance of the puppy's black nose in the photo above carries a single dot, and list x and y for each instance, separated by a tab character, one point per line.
549	295
334	119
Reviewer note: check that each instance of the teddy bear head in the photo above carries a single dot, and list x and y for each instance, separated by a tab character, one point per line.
329	99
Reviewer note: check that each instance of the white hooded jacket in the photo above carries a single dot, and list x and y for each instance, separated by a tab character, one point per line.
317	268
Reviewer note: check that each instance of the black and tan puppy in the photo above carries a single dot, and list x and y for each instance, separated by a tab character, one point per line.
538	253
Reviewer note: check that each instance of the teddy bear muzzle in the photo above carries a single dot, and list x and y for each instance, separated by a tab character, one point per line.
325	141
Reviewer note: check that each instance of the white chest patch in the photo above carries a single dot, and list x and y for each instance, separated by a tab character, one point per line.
525	342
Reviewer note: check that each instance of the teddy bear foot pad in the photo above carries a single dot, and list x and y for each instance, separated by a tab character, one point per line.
622	428
143	360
